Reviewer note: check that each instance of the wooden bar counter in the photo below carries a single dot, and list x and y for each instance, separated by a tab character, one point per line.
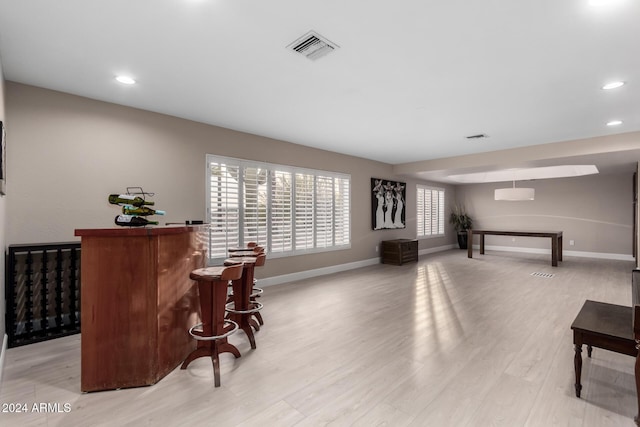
137	303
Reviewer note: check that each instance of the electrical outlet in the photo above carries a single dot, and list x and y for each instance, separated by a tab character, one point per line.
572	242
513	239
376	248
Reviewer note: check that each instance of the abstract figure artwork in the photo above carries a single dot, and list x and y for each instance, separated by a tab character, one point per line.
387	204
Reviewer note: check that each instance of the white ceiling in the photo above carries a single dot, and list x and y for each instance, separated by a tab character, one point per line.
410	80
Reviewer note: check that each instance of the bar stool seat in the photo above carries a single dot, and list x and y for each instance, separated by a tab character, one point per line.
242	307
237	252
211	334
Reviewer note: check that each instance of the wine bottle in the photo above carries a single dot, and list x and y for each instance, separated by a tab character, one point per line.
128	199
133	221
140	210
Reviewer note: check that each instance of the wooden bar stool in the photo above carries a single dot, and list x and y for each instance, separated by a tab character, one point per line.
212	333
242	308
252	249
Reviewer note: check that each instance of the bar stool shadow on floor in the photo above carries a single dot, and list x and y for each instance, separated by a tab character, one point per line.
242	307
214	329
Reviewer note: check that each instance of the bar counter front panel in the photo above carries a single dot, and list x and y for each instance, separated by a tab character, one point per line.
137	303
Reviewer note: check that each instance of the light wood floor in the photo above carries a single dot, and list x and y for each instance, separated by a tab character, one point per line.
449	341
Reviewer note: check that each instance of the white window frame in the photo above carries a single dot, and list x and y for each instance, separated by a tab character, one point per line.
340	209
429	225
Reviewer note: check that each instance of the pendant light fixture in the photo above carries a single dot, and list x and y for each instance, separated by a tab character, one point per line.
514	194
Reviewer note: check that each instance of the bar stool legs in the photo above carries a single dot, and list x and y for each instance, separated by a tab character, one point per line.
242	308
252	250
212	333
255	293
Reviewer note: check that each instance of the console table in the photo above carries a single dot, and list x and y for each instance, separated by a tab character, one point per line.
137	303
555	236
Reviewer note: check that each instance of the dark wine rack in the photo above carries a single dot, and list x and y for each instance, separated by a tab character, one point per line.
42	292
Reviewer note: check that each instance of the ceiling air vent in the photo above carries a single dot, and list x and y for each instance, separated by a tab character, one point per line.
313	45
478	136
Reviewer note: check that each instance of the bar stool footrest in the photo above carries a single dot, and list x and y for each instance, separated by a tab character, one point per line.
256	306
194	333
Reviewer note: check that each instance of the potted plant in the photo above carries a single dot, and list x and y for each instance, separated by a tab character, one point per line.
461	222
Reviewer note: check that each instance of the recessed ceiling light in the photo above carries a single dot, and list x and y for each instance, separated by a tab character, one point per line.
125	80
613	85
614	123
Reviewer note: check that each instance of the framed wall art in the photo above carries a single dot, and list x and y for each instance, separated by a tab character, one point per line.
3	159
388	204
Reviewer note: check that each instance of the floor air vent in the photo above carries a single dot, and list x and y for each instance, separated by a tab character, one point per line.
545	275
313	45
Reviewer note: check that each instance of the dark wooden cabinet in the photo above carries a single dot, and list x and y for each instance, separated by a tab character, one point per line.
399	251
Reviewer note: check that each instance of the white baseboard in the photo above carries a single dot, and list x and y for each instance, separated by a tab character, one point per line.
307	274
436	249
581	254
3	352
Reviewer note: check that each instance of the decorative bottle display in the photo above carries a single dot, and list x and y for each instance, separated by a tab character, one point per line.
134	208
133	221
140	210
128	199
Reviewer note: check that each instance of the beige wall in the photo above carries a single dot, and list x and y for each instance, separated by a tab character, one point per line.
595	211
68	153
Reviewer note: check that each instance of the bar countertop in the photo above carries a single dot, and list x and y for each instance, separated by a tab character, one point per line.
137	231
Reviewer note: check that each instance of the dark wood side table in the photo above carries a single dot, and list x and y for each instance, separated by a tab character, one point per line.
399	251
602	325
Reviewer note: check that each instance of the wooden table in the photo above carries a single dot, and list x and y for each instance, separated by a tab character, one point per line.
556	240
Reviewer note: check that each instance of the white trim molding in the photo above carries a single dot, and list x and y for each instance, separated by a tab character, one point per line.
438	249
307	274
3	353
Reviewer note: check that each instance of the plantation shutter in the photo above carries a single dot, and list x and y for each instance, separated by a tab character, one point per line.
342	211
427	213
254	218
324	211
304	220
281	212
288	210
441	212
420	211
224	215
430	214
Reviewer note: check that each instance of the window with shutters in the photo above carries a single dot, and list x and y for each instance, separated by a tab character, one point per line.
430	216
287	210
